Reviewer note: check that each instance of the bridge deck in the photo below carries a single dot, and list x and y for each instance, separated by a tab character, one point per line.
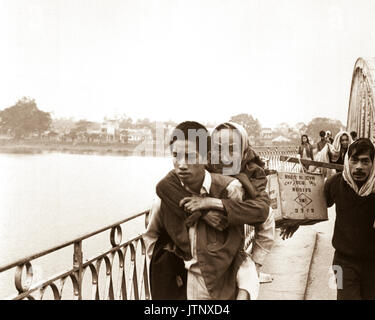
300	266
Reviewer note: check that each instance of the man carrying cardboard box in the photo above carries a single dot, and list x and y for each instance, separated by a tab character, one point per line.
353	193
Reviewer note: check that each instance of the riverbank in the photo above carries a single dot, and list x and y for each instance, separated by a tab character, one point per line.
128	149
37	148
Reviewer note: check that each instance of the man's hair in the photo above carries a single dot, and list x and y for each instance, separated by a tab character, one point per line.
353	134
362	146
192	131
322	134
225	126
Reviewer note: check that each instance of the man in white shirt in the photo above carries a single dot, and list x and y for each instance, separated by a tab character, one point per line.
198	182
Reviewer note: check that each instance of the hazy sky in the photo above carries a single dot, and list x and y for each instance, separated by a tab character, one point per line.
280	61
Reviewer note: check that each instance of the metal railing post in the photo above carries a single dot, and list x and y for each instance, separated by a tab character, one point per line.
77	264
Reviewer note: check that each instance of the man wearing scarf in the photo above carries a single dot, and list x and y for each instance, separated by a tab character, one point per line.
353	193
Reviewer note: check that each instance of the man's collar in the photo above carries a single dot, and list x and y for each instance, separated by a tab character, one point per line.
206	185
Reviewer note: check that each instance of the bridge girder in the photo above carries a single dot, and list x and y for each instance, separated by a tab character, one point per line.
361	113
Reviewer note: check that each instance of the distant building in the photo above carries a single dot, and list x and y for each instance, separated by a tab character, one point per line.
280	140
92	131
50	135
139	135
110	128
266	133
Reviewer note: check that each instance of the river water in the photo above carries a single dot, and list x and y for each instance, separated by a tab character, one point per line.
48	199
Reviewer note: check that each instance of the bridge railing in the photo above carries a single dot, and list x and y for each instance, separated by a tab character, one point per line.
120	271
271	156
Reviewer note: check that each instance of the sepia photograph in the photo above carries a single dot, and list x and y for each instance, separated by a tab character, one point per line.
164	150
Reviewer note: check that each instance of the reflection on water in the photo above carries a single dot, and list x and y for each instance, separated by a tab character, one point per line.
48	199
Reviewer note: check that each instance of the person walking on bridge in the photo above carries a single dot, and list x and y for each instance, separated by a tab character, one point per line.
340	146
335	152
197	223
305	150
329	137
353	193
322	142
331	153
353	134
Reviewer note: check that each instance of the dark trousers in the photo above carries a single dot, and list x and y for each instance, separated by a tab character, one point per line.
355	278
168	275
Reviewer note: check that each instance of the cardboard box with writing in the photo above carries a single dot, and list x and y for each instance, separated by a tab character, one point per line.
297	196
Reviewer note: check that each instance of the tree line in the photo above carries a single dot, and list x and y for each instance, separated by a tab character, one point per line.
293	133
24	119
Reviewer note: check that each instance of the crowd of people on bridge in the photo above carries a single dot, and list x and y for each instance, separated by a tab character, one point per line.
195	239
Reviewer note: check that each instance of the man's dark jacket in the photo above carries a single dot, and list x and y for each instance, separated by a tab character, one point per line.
354	233
237	214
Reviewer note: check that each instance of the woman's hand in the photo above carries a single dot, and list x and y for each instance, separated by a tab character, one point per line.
191	204
216	219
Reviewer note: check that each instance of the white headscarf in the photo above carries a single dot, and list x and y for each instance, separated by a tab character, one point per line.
367	188
335	147
247	152
245	143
